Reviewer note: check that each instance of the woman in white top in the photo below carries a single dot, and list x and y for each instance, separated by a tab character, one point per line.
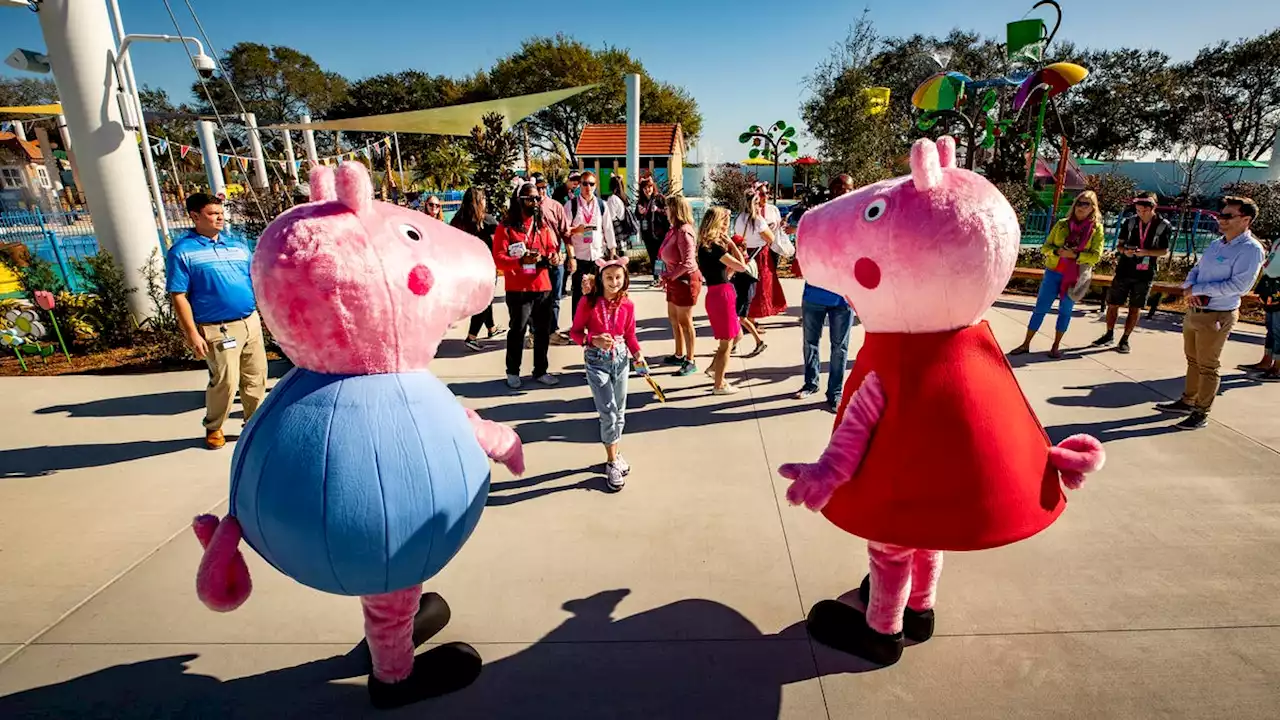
758	226
617	203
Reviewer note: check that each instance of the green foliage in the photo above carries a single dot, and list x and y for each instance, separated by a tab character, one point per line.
1018	195
1122	106
112	318
36	274
162	328
1230	94
1114	190
448	167
1267	195
553	63
729	186
27	91
494	152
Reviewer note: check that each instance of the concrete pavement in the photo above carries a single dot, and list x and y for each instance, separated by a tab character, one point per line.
682	596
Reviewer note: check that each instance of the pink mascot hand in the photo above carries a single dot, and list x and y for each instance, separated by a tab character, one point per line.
1076	457
222	582
499	442
814	484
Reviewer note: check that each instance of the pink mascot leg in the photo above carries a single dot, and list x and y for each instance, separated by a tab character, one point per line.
388	624
926	567
890	585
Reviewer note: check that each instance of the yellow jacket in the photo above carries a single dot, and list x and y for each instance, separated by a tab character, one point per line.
1058	238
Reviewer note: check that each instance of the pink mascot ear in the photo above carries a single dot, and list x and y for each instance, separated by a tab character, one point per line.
321	183
947	151
926	170
354	187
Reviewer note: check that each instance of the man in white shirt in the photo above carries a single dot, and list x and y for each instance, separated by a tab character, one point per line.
590	232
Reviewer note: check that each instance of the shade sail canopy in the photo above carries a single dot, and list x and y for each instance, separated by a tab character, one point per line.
54	109
1242	164
449	120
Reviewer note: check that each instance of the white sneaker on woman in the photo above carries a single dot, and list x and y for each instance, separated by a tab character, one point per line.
726	389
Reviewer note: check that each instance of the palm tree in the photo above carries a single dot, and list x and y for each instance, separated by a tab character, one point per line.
448	167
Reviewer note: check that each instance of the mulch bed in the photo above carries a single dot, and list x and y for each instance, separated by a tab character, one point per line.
121	361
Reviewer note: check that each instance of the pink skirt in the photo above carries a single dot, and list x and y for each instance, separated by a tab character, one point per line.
721	312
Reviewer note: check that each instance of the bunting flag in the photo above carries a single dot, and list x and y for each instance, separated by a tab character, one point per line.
225	159
244	164
183	150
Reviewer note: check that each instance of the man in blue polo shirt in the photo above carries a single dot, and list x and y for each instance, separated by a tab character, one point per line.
208	281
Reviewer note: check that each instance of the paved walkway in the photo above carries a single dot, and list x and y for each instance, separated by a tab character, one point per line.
682	596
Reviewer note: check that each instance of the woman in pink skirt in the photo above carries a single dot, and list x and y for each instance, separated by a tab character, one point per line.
718	259
758	225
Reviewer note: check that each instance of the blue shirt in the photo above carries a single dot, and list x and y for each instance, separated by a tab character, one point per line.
1226	271
214	273
814	295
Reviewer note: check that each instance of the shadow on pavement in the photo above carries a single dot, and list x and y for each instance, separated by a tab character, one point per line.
1122	394
175	402
504	493
1106	431
646	666
48	459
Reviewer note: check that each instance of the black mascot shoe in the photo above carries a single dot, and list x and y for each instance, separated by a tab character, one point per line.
433	614
843	628
438	671
916	626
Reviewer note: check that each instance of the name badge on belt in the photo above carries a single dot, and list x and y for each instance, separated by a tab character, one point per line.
227	342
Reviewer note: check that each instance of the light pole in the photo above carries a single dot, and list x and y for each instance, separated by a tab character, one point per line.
129	99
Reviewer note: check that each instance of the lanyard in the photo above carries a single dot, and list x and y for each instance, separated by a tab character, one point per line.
1144	229
587	217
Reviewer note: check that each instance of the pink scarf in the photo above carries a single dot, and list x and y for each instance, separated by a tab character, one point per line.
1078	236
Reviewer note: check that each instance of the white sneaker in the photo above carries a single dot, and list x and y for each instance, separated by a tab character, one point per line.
727	389
549	380
623	465
614	476
513	382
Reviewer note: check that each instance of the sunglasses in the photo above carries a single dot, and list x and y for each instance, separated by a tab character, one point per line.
1084	204
1144	204
589	184
1228	216
528	199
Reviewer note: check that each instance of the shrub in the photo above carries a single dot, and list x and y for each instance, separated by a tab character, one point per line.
1267	195
729	186
114	321
1114	191
1018	196
33	273
162	328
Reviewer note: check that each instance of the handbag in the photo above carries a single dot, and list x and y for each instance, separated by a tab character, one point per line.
782	244
1083	282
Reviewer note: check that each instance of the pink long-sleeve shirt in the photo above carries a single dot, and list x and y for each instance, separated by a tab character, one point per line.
679	252
594	319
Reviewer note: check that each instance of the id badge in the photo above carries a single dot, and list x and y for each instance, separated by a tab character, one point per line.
530	269
644	224
227	343
516	250
1144	263
589	236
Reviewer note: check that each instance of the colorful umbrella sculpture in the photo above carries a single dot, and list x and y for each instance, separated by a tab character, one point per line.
942	91
1059	77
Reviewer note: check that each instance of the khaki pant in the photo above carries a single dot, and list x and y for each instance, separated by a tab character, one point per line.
1204	332
243	367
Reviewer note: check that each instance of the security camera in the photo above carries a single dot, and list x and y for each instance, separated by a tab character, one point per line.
204	65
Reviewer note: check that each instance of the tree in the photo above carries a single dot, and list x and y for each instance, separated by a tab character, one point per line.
1122	106
1237	88
276	83
1114	190
448	167
27	91
543	64
1267	195
729	187
494	152
850	140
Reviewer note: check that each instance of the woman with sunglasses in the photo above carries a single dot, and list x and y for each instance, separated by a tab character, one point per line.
524	248
758	226
1075	242
651	209
434	207
474	217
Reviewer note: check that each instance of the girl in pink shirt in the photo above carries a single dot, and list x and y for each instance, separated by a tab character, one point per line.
605	324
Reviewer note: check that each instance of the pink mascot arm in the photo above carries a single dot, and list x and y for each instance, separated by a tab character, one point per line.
222	582
500	442
813	485
1076	457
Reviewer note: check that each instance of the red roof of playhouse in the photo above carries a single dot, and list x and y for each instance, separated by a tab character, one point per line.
612	140
31	149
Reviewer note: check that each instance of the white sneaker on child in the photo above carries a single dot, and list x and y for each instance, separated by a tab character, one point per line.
623	465
614	476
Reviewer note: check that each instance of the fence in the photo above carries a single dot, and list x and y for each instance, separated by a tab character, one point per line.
1192	232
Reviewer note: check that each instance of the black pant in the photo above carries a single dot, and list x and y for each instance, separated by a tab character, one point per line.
482	319
585	268
652	244
530	310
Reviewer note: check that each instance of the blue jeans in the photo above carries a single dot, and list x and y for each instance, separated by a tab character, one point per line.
556	273
841	319
607	375
1272	343
1050	287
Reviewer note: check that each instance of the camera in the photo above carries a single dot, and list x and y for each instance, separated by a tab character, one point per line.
204	65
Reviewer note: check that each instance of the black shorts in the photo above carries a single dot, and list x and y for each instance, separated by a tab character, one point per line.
1130	291
745	289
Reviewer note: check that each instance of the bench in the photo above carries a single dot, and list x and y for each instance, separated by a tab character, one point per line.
1159	288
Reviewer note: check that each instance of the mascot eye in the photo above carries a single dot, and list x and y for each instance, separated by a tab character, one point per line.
874	211
411	232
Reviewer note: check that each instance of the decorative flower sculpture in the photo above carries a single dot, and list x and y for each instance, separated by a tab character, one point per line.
26	323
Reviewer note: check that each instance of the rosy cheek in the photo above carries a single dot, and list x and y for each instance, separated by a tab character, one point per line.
867	273
420	280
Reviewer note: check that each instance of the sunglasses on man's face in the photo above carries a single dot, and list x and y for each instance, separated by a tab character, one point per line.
1227	216
589	184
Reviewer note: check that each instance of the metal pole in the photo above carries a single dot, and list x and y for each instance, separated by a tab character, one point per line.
289	157
255	146
19	130
212	163
395	137
633	136
78	38
132	90
71	155
309	139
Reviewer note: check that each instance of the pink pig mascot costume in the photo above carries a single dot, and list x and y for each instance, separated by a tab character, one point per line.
361	474
935	447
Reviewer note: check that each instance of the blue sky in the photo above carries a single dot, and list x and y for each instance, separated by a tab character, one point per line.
744	61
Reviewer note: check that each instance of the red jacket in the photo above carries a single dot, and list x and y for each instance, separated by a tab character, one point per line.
515	274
